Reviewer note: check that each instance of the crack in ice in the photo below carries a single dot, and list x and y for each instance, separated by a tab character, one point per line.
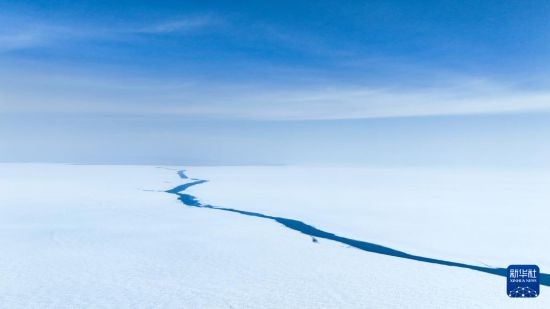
192	201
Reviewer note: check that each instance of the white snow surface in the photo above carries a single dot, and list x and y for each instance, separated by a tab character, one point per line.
89	236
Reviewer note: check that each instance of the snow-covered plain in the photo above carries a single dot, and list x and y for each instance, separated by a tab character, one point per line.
74	236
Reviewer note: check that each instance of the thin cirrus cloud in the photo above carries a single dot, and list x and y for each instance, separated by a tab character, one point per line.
17	33
225	100
181	25
97	93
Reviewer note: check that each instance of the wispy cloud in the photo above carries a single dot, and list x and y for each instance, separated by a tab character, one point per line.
95	93
18	33
35	90
181	25
363	102
18	40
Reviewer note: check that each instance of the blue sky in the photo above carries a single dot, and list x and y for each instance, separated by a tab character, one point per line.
229	82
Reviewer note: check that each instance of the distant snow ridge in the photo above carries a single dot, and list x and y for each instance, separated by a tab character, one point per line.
192	201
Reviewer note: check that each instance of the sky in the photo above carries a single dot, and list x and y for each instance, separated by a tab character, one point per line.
275	82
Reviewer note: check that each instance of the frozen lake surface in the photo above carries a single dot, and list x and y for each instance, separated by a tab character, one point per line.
281	236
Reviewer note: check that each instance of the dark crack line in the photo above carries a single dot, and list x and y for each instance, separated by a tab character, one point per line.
192	201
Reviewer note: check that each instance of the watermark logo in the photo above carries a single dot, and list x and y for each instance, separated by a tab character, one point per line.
523	281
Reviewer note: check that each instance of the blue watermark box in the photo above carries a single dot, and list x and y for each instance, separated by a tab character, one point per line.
523	281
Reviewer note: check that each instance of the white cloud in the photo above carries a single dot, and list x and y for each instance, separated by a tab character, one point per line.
95	93
18	40
181	25
18	33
